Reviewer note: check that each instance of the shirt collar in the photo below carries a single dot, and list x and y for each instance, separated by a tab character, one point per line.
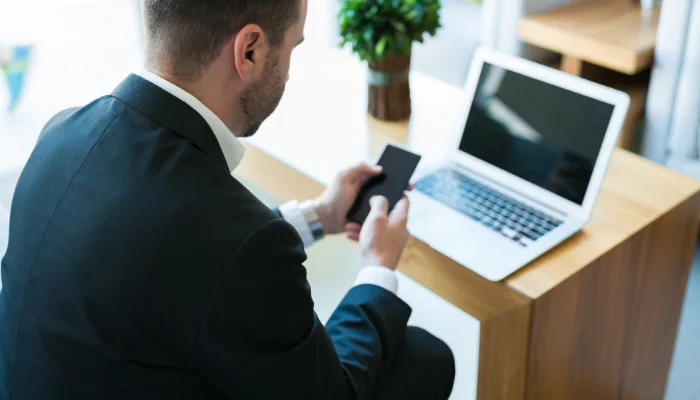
230	145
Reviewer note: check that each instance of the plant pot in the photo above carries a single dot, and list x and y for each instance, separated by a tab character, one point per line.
389	96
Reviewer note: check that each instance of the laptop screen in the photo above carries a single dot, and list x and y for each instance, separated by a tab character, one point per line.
542	133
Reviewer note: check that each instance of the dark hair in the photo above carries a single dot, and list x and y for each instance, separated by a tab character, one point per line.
191	33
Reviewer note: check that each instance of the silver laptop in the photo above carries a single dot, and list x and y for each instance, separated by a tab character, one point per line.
526	167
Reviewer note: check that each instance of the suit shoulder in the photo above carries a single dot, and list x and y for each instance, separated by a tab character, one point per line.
94	118
58	119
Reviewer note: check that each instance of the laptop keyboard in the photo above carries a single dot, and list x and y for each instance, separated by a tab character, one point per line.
511	218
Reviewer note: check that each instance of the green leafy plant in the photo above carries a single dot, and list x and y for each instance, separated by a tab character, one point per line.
379	29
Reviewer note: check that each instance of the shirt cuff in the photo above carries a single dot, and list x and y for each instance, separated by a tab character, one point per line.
291	212
378	276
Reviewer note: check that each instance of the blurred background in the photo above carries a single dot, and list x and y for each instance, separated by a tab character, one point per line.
83	48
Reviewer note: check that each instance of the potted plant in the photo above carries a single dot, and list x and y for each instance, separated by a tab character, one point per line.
382	33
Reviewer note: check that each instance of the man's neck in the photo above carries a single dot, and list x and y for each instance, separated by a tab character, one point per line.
209	94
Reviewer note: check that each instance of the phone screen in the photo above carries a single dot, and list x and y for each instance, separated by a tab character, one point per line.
398	167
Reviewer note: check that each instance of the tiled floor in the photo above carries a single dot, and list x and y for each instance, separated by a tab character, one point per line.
85	47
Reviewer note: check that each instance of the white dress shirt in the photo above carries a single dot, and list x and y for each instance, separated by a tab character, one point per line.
234	151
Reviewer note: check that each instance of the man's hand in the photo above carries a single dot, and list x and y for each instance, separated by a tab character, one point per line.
383	236
335	202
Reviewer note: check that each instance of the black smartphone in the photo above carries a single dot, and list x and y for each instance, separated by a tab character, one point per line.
398	167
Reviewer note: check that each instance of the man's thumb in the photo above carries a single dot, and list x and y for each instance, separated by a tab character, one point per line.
380	205
400	212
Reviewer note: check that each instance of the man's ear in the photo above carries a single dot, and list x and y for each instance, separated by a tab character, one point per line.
249	50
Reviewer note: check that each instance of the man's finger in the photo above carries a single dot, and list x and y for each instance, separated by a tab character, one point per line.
362	171
380	206
353	236
353	232
400	213
353	226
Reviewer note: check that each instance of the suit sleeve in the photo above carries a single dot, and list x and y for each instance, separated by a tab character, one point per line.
261	339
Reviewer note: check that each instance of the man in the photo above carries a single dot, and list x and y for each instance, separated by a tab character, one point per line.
138	268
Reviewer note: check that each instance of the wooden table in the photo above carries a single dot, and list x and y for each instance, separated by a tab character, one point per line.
608	33
595	318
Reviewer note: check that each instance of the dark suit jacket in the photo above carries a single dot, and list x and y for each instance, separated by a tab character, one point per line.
138	268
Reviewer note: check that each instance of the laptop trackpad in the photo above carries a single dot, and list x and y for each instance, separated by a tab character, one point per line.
461	239
435	224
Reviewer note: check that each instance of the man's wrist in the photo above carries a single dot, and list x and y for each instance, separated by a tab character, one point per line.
378	276
310	211
323	212
291	212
